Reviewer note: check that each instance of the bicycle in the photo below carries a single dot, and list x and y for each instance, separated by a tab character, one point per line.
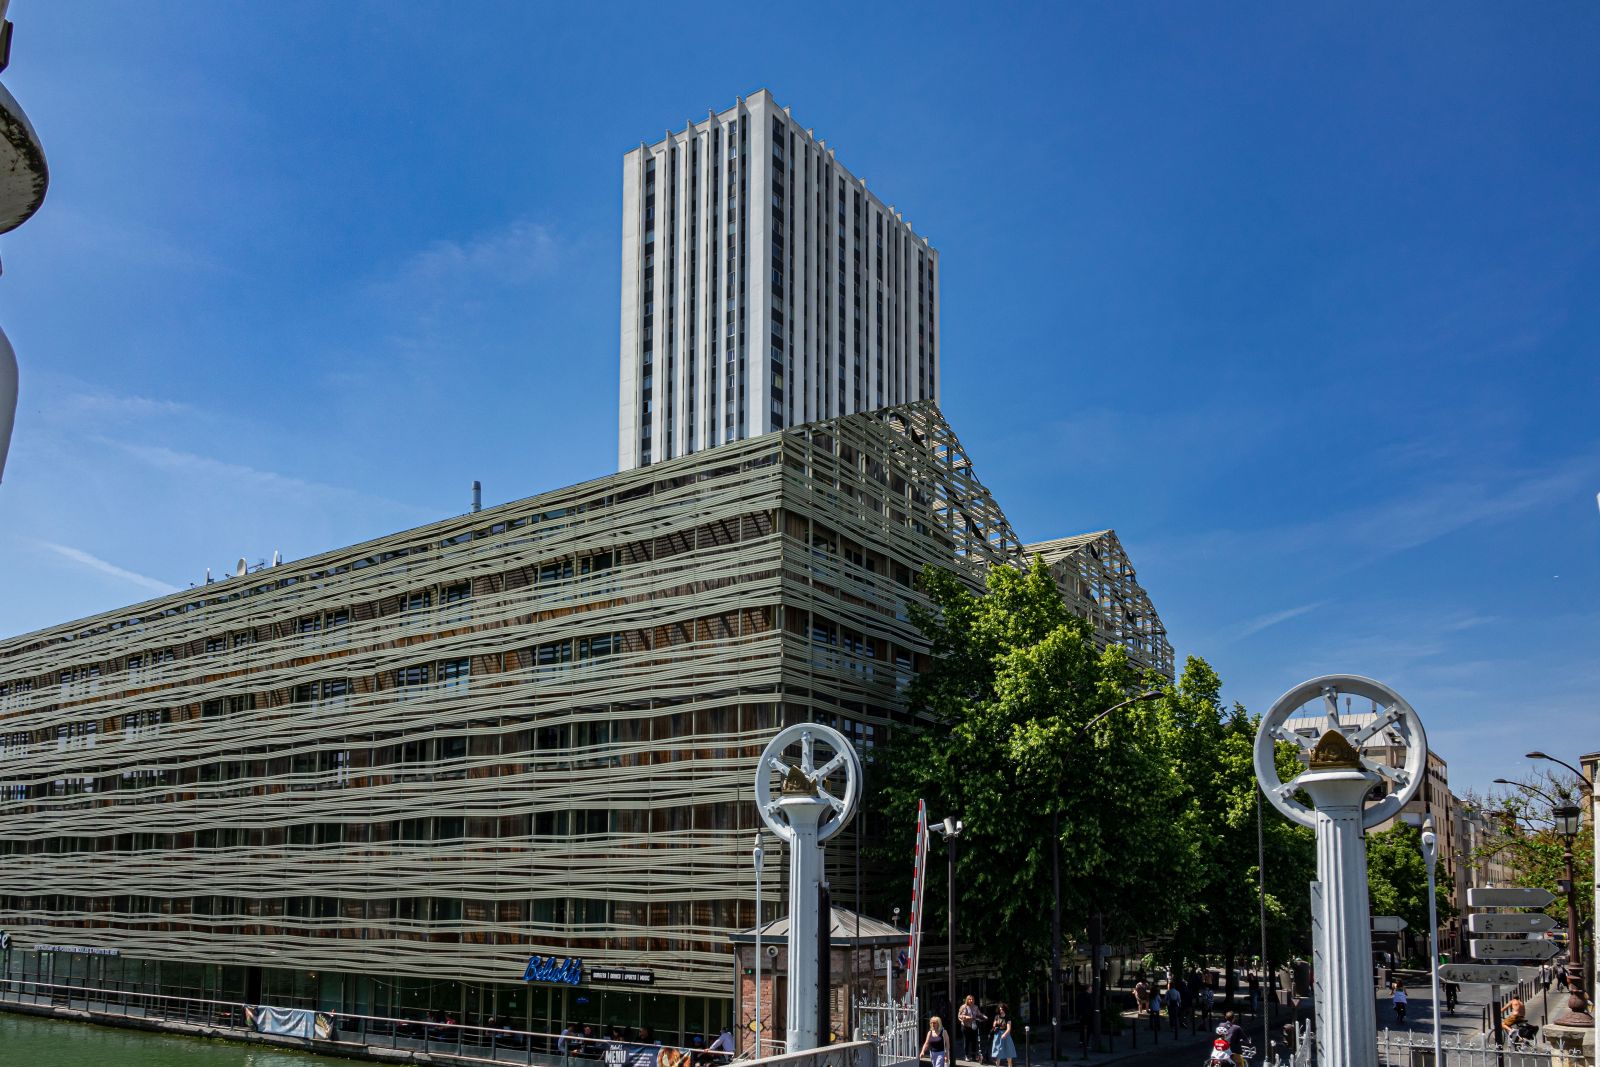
1520	1037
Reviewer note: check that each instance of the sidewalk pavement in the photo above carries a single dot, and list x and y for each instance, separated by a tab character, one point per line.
1468	1016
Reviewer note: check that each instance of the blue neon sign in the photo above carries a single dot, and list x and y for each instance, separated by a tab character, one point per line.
566	970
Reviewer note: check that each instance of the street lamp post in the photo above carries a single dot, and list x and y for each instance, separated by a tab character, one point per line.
1568	819
951	829
1591	763
1430	856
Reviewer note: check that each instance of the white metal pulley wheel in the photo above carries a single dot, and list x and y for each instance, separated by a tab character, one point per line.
1395	725
836	779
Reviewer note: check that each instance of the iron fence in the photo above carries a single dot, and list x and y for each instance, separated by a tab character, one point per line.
1414	1048
891	1029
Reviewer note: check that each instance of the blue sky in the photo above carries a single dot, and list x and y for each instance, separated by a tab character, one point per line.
1302	301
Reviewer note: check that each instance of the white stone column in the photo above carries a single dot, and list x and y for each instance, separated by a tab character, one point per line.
1349	1034
805	880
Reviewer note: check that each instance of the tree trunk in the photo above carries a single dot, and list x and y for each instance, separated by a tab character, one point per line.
1229	984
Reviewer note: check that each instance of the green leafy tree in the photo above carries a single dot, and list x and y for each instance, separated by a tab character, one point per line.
1015	678
1397	879
1525	840
1216	763
1152	807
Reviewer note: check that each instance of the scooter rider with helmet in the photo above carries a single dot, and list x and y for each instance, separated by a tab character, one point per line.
1230	1031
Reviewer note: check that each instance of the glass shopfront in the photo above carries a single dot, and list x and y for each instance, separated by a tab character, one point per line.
541	1007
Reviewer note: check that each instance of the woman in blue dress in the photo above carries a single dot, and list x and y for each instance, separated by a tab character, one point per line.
1002	1047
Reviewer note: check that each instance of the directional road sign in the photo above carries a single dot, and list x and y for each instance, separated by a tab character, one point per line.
1387	924
1484	972
1524	897
1528	922
1515	950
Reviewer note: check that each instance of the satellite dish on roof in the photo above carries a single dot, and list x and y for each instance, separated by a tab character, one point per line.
242	569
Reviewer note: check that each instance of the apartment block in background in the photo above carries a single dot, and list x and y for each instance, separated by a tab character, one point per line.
763	286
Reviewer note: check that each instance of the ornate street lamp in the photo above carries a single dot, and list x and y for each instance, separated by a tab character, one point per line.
1568	820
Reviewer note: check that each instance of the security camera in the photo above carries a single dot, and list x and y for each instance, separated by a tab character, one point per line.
772	952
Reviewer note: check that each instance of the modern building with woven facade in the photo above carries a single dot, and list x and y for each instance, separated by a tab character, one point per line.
763	286
384	777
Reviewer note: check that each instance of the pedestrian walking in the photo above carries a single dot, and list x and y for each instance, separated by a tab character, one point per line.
1174	1005
971	1018
1001	1046
1141	995
1208	1002
933	1045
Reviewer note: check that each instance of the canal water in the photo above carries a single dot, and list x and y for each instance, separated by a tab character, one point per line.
27	1041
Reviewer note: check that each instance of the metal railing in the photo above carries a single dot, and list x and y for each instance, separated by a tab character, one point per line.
844	1054
463	1041
891	1029
1414	1048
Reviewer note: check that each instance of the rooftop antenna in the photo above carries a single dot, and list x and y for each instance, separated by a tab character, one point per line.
208	575
477	497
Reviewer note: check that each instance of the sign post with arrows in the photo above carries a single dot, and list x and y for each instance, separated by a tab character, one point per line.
1526	949
1530	922
1483	972
1508	950
1520	897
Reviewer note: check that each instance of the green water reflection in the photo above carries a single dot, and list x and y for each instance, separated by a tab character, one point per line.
26	1041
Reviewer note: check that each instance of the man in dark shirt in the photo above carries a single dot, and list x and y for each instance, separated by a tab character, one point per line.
1231	1032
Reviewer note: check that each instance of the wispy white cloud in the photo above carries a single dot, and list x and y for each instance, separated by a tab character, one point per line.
208	470
446	270
104	238
1202	439
1354	538
1262	622
113	406
95	563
